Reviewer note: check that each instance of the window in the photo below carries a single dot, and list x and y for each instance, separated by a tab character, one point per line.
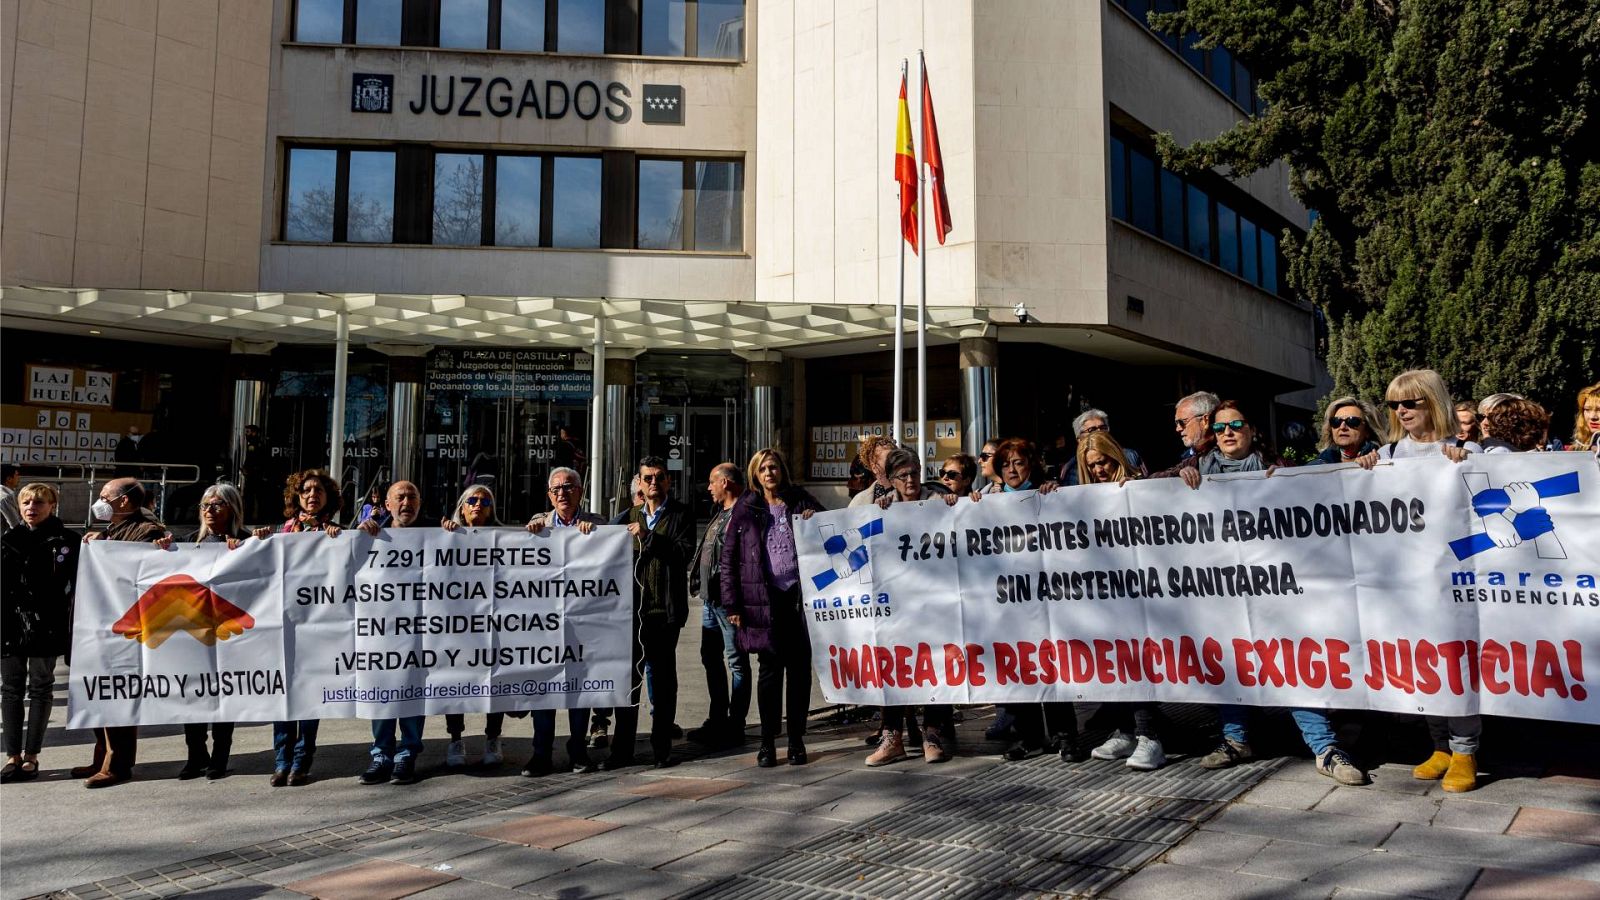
309	195
319	21
691	205
1216	65
464	24
458	199
575	204
720	29
517	189
1227	238
1269	261
378	22
370	208
1119	180
1199	225
1222	70
580	26
698	28
661	27
1142	190
1248	251
522	24
1171	208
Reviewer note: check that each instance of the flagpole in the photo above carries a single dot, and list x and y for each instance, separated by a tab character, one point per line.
922	264
900	311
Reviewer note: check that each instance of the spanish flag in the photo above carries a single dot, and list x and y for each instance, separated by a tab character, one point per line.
905	170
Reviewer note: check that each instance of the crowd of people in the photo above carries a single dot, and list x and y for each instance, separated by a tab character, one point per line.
743	574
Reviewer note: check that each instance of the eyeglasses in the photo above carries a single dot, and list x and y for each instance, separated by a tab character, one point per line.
652	479
985	457
904	476
1351	422
950	474
213	507
1235	424
1091	429
1185	420
563	488
478	500
1408	404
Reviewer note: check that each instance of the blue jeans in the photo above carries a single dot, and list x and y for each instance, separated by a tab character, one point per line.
294	745
544	734
718	649
1316	729
384	748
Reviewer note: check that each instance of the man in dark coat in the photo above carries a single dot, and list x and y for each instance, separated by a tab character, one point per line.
663	534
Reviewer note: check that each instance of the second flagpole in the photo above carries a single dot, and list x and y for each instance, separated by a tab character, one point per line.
900	316
922	264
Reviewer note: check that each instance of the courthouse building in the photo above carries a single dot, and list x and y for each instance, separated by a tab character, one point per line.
462	241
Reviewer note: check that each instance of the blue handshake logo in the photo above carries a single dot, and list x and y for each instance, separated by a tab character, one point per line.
1514	514
847	552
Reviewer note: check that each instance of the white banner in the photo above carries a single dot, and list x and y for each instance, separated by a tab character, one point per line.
1420	586
302	626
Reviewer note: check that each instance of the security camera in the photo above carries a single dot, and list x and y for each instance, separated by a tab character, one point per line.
1021	311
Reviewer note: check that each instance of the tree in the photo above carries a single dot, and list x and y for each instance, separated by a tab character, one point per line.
1449	149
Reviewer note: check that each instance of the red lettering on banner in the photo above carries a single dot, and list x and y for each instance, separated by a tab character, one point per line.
1497	668
902	666
1103	669
1005	664
975	665
925	675
1150	654
955	664
1026	652
883	662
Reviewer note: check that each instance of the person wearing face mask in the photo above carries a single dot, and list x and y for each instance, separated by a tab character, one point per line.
39	570
391	760
121	502
1350	430
311	500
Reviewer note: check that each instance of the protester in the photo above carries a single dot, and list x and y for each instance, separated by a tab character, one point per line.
564	486
986	465
1419	420
1016	463
1519	425
761	592
1351	429
221	522
311	500
10	513
958	474
1094	421
39	570
122	503
1104	461
727	667
663	533
1467	421
905	473
1238	447
1586	429
1192	420
391	760
874	453
636	496
373	506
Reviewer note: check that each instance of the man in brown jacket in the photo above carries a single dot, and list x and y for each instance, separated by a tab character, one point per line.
121	503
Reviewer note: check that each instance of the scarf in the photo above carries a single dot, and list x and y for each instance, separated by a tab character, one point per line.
1214	463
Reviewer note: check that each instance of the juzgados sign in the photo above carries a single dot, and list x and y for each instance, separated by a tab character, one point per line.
540	98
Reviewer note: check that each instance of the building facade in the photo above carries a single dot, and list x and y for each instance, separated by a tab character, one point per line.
463	241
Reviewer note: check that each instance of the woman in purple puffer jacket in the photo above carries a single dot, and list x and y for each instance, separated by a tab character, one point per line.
761	592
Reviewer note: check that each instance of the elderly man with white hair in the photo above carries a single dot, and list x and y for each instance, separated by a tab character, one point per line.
1088	422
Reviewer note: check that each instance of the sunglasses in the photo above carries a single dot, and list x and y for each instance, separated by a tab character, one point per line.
1179	423
478	500
563	488
985	457
949	474
1235	424
213	507
1092	429
652	479
1351	422
1407	404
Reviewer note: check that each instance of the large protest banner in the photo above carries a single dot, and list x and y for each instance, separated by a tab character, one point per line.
302	626
1419	586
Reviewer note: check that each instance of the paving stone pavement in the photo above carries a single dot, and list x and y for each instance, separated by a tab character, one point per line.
716	826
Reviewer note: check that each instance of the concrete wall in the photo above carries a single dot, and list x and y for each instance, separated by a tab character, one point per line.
135	142
827	230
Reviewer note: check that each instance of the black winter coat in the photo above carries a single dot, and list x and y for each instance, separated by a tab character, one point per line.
661	566
40	570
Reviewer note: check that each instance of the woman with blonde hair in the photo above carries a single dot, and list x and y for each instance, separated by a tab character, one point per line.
1586	430
1351	429
1101	459
473	509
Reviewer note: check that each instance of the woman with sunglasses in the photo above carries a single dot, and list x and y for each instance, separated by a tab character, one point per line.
1422	415
474	509
958	474
311	500
1350	430
221	522
1238	448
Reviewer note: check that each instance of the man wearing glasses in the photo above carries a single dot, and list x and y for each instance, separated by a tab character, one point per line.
395	761
663	534
565	490
1192	421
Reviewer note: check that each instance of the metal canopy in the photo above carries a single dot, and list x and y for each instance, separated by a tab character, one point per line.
463	319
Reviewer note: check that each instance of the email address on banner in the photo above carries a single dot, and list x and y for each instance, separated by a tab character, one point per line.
528	688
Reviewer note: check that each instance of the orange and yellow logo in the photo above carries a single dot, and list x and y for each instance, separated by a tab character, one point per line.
179	603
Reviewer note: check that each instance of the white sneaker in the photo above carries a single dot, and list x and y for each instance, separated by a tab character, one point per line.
455	755
1119	745
491	752
1148	756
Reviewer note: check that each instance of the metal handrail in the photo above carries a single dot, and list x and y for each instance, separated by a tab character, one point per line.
89	475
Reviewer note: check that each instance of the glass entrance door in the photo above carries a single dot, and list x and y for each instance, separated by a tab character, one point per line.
693	439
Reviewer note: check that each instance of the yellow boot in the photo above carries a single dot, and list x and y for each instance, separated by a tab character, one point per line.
1434	768
1463	774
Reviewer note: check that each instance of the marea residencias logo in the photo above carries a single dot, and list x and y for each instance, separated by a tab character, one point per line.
176	604
1514	514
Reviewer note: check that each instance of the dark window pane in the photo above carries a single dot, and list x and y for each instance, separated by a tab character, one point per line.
660	204
1243	85
661	27
1139	9
1142	190
1248	252
1166	6
378	22
1119	180
1269	261
719	206
1172	208
1199	214
721	29
458	199
575	208
1228	238
1195	57
522	24
308	212
581	27
464	24
1222	69
516	201
371	207
319	21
